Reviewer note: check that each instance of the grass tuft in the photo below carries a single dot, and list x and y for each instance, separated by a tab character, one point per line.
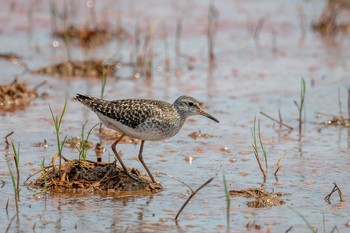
300	105
84	144
57	120
255	148
15	179
228	203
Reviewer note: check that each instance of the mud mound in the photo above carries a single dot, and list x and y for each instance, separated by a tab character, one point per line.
263	199
94	177
338	121
15	96
90	37
327	24
88	68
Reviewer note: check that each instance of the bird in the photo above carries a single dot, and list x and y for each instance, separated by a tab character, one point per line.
143	119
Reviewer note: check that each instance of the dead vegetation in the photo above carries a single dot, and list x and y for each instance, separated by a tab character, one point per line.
339	120
335	189
10	57
90	37
75	142
199	134
88	68
84	176
263	199
16	96
327	24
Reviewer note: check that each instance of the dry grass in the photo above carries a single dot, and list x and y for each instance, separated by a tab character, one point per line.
84	176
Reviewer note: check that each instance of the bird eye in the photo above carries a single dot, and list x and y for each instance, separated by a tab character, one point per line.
190	104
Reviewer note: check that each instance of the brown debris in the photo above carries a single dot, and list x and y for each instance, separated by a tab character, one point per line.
90	37
198	134
15	96
253	225
88	68
327	24
81	176
263	199
338	121
335	189
10	56
74	142
43	144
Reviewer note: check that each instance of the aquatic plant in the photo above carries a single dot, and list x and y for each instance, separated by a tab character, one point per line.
228	203
15	179
255	148
57	120
83	145
300	105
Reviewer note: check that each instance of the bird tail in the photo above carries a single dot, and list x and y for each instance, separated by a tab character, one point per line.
82	98
89	101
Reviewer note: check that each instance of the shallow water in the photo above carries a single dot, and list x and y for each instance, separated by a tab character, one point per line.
248	77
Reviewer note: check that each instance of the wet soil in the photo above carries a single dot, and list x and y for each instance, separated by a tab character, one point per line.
261	51
85	176
329	20
91	37
263	199
89	68
16	96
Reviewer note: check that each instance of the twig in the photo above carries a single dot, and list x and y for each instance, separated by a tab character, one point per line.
40	85
302	24
178	37
260	166
289	229
280	116
211	30
277	121
6	138
339	105
193	193
10	223
348	90
335	228
178	179
278	162
107	173
335	188
257	30
30	176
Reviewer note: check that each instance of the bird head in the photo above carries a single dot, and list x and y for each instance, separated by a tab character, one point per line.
189	106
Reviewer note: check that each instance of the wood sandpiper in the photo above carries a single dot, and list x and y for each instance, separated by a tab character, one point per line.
144	119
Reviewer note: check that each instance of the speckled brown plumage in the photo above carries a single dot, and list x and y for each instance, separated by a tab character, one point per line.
130	112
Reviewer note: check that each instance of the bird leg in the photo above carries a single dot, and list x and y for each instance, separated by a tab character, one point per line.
119	158
143	163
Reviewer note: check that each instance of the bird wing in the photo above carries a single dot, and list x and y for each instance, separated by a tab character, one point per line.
132	112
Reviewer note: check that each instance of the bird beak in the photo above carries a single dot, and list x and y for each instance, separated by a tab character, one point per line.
203	113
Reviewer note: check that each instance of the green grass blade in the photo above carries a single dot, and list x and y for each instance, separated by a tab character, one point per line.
312	229
262	145
228	203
